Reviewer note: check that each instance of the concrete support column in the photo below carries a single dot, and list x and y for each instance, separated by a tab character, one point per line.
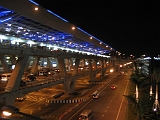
16	77
56	60
111	64
41	61
67	65
95	64
90	65
104	62
77	62
34	68
49	63
4	64
83	63
70	64
69	85
28	63
62	67
103	70
13	59
92	75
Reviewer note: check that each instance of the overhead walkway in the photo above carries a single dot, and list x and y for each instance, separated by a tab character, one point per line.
28	30
32	24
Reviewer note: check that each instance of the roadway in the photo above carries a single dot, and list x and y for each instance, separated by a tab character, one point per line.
36	104
112	99
111	104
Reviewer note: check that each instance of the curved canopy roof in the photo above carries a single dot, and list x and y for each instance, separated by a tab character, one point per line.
27	20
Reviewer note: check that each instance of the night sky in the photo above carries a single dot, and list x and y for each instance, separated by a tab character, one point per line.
129	26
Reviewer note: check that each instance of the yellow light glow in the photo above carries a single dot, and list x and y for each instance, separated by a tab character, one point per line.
73	28
6	113
36	8
111	70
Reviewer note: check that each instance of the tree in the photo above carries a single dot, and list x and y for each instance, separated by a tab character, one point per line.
137	77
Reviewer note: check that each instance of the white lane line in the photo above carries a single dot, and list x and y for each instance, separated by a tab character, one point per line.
81	108
121	102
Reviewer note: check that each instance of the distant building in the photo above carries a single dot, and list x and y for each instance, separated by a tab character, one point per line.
147	65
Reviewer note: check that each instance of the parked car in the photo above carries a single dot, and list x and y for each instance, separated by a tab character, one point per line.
43	73
57	70
21	98
31	78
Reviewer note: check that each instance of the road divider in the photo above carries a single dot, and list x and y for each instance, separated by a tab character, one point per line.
66	101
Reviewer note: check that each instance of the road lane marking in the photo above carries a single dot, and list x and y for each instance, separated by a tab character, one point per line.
81	108
102	89
121	102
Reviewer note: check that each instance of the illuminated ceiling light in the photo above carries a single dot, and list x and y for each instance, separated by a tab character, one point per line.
26	33
20	28
73	28
107	46
90	37
8	29
9	25
13	42
36	8
110	48
100	43
8	57
1	21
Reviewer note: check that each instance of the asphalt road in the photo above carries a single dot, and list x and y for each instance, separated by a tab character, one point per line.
111	104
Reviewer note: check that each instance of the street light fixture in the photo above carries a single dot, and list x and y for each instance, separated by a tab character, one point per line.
8	110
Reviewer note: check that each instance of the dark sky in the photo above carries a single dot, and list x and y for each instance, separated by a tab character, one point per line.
129	26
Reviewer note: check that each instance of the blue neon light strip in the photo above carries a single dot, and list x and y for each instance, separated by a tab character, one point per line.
1	21
57	16
84	31
33	2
